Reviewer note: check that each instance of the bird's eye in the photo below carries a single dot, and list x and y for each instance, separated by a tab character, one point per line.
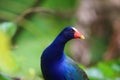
72	30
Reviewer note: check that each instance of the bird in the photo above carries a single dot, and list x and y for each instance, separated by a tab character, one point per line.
55	64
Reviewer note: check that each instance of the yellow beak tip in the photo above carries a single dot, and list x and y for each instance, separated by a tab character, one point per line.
82	37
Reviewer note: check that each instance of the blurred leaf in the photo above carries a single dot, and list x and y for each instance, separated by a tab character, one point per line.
8	63
106	69
95	74
109	70
60	4
9	28
3	77
11	9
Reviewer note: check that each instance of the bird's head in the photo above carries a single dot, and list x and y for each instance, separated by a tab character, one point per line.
72	33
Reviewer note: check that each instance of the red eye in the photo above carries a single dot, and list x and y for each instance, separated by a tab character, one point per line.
72	30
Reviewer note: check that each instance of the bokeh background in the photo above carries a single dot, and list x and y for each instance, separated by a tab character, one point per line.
27	27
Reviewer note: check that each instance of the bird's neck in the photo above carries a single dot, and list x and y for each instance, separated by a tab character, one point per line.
55	52
60	41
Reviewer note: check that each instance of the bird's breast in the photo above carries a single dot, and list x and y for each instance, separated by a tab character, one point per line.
53	71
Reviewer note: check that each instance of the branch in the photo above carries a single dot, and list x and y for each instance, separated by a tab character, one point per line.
42	10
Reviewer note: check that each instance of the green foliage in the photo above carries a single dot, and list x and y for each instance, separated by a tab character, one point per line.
109	70
9	9
8	28
60	4
7	60
4	77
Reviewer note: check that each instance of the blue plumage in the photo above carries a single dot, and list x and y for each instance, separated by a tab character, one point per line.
55	65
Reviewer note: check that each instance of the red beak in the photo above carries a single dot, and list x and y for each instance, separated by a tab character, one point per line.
78	35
